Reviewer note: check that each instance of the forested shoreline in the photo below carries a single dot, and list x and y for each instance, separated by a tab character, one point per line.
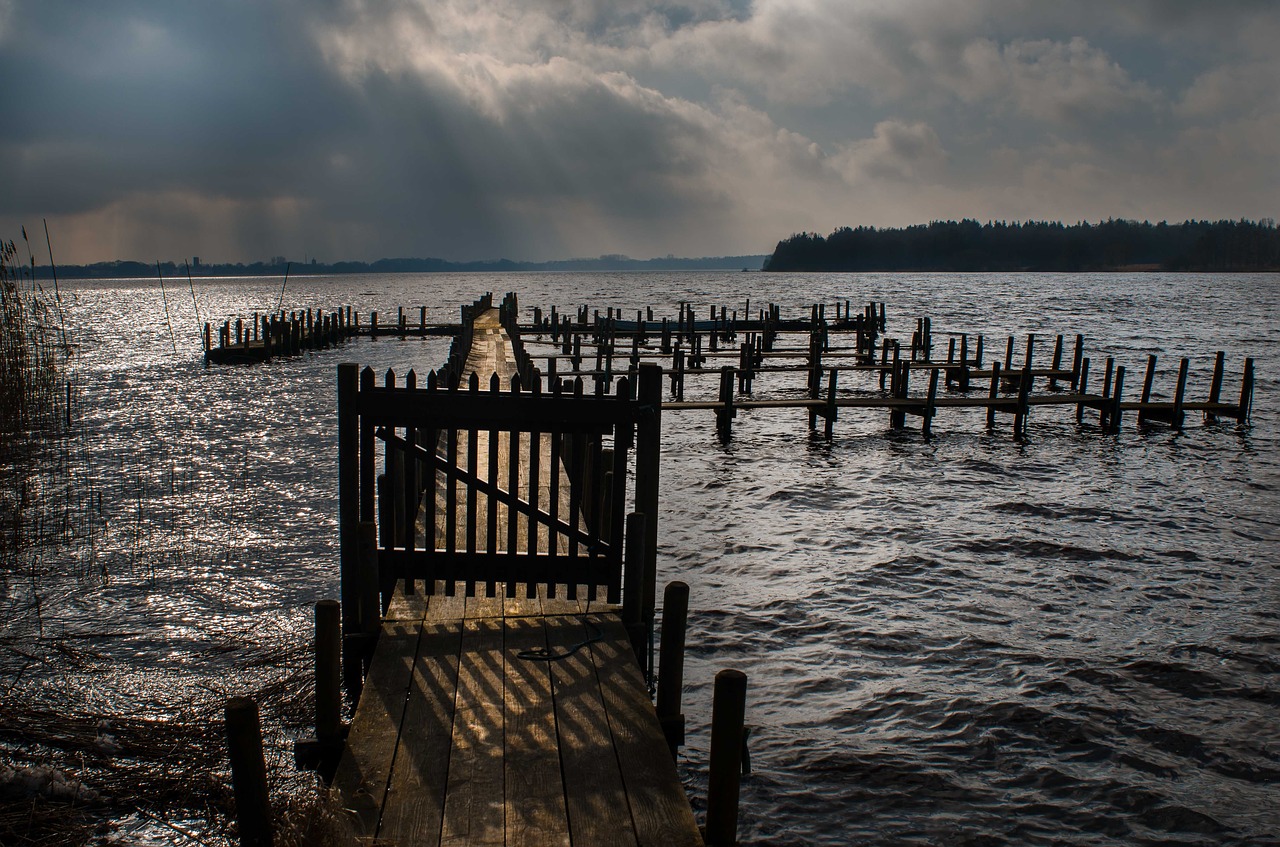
967	245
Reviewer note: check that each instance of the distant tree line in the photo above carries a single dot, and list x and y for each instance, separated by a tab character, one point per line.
278	265
1036	246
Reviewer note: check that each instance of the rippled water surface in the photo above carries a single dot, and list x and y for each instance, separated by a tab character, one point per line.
960	640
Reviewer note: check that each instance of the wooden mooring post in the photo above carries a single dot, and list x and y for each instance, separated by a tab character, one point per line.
675	614
248	773
728	713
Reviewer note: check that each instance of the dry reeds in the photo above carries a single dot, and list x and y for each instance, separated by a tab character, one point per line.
67	777
36	453
28	362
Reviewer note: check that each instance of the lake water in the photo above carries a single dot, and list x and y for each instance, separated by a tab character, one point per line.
959	640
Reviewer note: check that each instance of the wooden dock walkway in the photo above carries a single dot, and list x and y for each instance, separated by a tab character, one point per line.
504	698
461	738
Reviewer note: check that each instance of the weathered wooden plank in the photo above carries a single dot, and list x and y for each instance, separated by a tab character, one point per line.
473	808
406	607
444	607
659	809
365	767
414	809
594	791
481	606
536	815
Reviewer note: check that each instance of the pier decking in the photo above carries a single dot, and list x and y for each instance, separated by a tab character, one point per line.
504	698
460	738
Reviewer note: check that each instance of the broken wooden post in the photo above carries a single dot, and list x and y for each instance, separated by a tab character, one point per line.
1215	387
1146	388
1179	395
930	403
1117	391
1246	394
1082	388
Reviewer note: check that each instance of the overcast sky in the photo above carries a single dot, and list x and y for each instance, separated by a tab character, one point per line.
236	130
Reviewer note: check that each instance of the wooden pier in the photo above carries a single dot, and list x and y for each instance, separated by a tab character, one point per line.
906	378
498	606
265	337
604	347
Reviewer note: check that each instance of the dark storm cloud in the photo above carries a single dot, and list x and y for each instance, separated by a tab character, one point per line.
543	128
224	98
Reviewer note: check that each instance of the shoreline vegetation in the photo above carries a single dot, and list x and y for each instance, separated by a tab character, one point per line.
71	770
966	245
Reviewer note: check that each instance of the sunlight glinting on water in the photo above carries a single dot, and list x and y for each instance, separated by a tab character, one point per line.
954	640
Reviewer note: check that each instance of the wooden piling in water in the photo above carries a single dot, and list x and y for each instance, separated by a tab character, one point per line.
1146	388
647	452
930	405
992	394
349	519
1215	387
1057	363
1246	394
726	412
1104	408
728	712
1024	391
1179	395
1117	391
1081	384
830	412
